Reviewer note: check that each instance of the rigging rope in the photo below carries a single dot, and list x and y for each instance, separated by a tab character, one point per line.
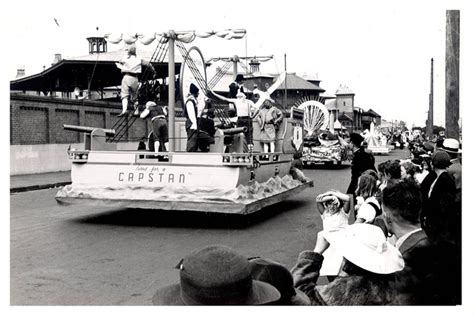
221	114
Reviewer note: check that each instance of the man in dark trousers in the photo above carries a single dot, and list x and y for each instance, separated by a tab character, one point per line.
191	114
361	161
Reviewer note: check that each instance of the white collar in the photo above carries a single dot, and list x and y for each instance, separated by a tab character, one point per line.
402	239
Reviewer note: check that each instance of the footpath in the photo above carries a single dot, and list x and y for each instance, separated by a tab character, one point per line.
21	183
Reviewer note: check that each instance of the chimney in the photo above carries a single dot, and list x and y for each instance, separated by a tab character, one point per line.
20	72
57	58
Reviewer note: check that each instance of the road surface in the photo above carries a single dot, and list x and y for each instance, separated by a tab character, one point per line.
79	255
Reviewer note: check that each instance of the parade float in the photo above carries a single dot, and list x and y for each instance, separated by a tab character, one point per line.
320	145
228	179
376	141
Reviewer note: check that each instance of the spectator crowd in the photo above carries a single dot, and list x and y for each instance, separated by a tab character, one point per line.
394	238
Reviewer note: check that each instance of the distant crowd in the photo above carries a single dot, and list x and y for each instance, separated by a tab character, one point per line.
400	244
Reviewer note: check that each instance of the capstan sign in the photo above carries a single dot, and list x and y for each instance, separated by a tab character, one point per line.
151	174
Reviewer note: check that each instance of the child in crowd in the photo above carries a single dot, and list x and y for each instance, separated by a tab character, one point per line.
409	169
367	206
334	208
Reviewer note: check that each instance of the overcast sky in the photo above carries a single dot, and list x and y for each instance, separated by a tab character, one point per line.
380	49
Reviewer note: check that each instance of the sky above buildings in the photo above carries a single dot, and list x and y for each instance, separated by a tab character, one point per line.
380	49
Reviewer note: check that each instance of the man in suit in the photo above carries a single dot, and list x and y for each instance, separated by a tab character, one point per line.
401	205
452	147
361	161
435	217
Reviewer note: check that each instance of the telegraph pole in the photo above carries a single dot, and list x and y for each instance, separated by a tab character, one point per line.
452	73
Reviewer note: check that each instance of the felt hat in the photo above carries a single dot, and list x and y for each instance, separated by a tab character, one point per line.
451	145
216	275
239	78
356	139
277	275
366	246
440	159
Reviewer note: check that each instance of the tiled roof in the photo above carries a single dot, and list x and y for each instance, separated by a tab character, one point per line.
344	90
73	72
344	117
294	82
331	105
373	113
118	54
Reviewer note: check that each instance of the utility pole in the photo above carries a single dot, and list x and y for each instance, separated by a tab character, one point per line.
452	73
429	122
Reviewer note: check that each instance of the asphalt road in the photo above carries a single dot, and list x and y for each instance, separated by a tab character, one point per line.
78	255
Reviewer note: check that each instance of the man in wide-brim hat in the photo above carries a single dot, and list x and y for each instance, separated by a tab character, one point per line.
452	147
216	275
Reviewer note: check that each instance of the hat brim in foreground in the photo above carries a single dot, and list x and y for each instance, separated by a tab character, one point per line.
262	293
386	262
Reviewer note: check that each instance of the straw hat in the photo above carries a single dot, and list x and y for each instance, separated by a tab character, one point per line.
216	275
451	145
366	246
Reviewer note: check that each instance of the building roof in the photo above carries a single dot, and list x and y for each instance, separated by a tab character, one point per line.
372	113
343	116
331	105
74	72
344	90
294	82
327	96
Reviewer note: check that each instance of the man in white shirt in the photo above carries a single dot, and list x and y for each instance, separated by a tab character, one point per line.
131	67
191	114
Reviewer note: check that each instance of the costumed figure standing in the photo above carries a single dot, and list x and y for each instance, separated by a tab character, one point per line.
206	128
268	119
191	114
157	115
244	109
236	86
131	68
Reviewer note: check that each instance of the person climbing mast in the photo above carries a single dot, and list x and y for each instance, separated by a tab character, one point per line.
131	67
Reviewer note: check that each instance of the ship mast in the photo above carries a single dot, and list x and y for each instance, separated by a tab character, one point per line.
171	91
